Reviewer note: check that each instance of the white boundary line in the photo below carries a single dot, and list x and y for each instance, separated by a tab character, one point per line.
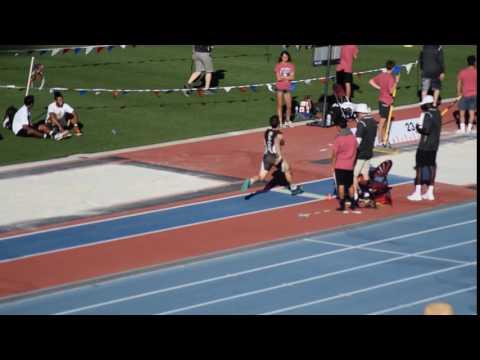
367	289
398	252
306	280
422	301
258	269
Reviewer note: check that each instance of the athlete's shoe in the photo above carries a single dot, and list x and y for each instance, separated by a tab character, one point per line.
415	197
428	196
298	190
246	184
461	131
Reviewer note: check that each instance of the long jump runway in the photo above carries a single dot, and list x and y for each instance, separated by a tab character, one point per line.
392	267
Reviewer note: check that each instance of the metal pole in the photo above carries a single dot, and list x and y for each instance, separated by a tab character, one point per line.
29	76
325	90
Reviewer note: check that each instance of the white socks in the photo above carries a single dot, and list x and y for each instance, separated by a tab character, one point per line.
418	190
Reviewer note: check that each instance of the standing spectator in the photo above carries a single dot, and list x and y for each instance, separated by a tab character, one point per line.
467	91
203	63
22	122
433	70
62	116
344	153
366	134
386	83
285	73
426	157
348	53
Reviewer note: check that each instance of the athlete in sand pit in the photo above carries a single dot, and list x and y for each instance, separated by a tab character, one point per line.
273	159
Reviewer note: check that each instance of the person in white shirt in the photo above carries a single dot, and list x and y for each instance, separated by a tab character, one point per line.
62	116
22	122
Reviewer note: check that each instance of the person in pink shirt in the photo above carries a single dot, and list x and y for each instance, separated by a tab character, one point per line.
344	154
467	91
348	53
285	73
386	83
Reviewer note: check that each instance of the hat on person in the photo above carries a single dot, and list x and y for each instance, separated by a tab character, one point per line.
362	108
427	100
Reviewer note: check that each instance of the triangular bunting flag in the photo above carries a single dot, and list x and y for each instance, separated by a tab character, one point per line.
115	94
228	88
100	48
200	92
293	86
82	92
65	50
408	67
270	88
55	51
242	89
253	88
156	92
123	46
323	80
308	81
124	92
89	49
109	49
77	51
97	92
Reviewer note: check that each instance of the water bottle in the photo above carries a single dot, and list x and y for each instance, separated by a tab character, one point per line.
328	122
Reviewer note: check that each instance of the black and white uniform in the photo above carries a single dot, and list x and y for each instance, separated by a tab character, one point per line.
270	155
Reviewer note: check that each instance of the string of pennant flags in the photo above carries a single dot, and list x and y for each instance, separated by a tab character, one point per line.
227	89
63	50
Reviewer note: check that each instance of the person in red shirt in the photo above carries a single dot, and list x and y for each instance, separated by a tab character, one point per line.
344	154
285	73
467	91
348	53
386	83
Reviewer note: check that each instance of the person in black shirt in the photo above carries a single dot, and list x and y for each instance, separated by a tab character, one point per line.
432	64
366	134
203	64
273	159
426	157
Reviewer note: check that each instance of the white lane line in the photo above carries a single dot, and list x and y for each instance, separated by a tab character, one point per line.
253	270
420	254
422	301
364	290
305	194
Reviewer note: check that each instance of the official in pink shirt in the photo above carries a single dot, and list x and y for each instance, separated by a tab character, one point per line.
467	92
385	82
344	154
285	73
348	54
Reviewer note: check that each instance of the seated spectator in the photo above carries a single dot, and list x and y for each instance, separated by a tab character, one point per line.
304	110
22	122
62	116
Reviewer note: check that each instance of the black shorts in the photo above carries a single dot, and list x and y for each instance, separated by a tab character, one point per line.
344	77
383	109
269	161
426	158
344	177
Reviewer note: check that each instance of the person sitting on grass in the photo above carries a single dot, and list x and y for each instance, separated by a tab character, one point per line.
62	116
22	122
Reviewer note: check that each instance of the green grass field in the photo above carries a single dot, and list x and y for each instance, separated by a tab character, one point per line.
141	119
